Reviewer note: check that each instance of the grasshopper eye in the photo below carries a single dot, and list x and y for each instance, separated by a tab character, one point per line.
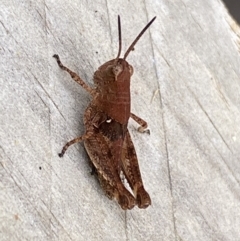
130	69
117	69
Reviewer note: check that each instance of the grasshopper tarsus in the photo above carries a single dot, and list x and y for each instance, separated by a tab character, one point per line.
94	170
61	154
126	200
143	130
143	198
56	56
148	131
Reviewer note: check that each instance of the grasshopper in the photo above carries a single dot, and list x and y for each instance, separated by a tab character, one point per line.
106	138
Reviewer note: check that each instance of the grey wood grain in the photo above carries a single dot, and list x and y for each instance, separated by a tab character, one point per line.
186	85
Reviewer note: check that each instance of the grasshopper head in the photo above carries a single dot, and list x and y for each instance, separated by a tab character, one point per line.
113	72
116	68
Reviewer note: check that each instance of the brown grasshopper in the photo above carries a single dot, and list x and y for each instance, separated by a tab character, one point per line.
107	139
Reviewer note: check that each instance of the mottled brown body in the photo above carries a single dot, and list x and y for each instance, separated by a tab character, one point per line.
107	139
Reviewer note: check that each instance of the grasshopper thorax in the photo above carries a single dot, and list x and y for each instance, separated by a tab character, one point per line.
112	81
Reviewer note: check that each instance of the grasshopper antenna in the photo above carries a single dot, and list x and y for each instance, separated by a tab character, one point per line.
119	38
137	38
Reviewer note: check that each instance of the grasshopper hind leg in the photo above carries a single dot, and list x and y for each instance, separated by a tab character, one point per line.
124	198
132	173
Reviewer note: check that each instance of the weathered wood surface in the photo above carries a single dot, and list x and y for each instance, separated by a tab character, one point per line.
186	84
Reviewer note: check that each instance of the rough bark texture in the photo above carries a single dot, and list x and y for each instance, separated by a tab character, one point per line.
185	84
